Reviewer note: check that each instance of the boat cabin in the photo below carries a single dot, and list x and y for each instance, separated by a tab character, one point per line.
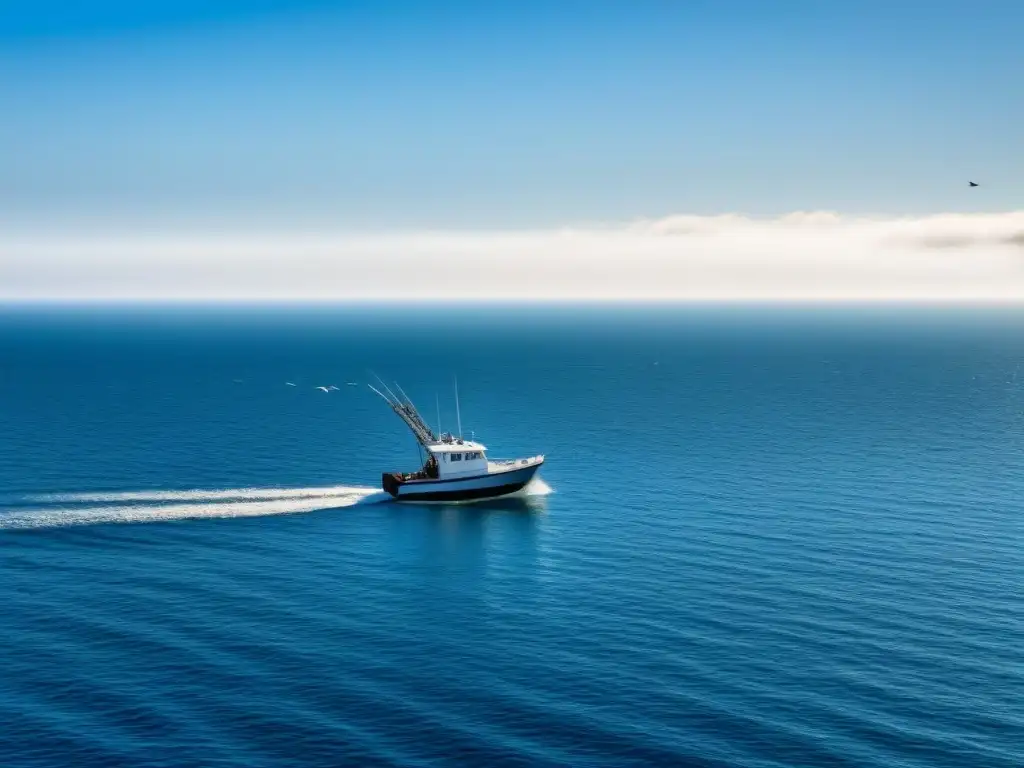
451	460
459	458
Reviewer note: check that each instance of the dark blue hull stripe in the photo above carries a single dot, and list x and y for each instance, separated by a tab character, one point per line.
466	494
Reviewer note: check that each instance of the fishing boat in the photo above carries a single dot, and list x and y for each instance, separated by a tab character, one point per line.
455	469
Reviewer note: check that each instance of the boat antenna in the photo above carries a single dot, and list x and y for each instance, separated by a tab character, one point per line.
458	416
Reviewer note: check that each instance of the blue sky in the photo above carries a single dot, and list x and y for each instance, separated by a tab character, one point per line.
399	115
640	149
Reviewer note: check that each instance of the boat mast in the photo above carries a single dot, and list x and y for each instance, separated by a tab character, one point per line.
458	416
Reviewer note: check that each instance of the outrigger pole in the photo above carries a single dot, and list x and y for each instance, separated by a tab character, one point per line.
407	412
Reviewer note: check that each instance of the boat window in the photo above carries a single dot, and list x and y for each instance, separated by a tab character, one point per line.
456	457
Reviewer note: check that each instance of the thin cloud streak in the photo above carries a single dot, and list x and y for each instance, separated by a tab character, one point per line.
801	256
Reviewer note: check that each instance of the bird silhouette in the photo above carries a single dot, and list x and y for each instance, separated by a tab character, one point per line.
323	389
972	183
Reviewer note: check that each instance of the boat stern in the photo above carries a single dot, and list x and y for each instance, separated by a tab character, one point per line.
391	482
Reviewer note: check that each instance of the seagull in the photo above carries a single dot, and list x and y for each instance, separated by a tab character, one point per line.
972	183
289	384
332	388
323	389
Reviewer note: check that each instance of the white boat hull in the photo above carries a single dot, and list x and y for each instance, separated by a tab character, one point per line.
492	485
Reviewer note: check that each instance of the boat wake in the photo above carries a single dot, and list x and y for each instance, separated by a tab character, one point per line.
49	510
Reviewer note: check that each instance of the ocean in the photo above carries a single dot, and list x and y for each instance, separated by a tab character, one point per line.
764	536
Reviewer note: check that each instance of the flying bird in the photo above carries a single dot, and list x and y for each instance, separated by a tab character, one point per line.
972	183
289	384
323	389
332	388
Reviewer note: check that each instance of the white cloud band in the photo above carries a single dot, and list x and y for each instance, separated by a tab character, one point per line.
801	256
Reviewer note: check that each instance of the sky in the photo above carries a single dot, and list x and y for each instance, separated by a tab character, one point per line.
269	149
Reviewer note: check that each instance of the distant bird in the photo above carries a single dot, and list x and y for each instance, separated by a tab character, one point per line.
289	384
323	389
352	383
972	183
332	388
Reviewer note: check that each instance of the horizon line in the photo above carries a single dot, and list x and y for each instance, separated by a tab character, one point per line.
986	301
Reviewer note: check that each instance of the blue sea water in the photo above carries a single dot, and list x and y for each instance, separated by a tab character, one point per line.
765	537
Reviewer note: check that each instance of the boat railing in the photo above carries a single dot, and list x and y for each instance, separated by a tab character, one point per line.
515	462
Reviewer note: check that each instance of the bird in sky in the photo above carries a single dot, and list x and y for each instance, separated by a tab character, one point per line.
323	389
972	183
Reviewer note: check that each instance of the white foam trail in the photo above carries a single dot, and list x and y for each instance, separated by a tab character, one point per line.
194	495
152	506
48	510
